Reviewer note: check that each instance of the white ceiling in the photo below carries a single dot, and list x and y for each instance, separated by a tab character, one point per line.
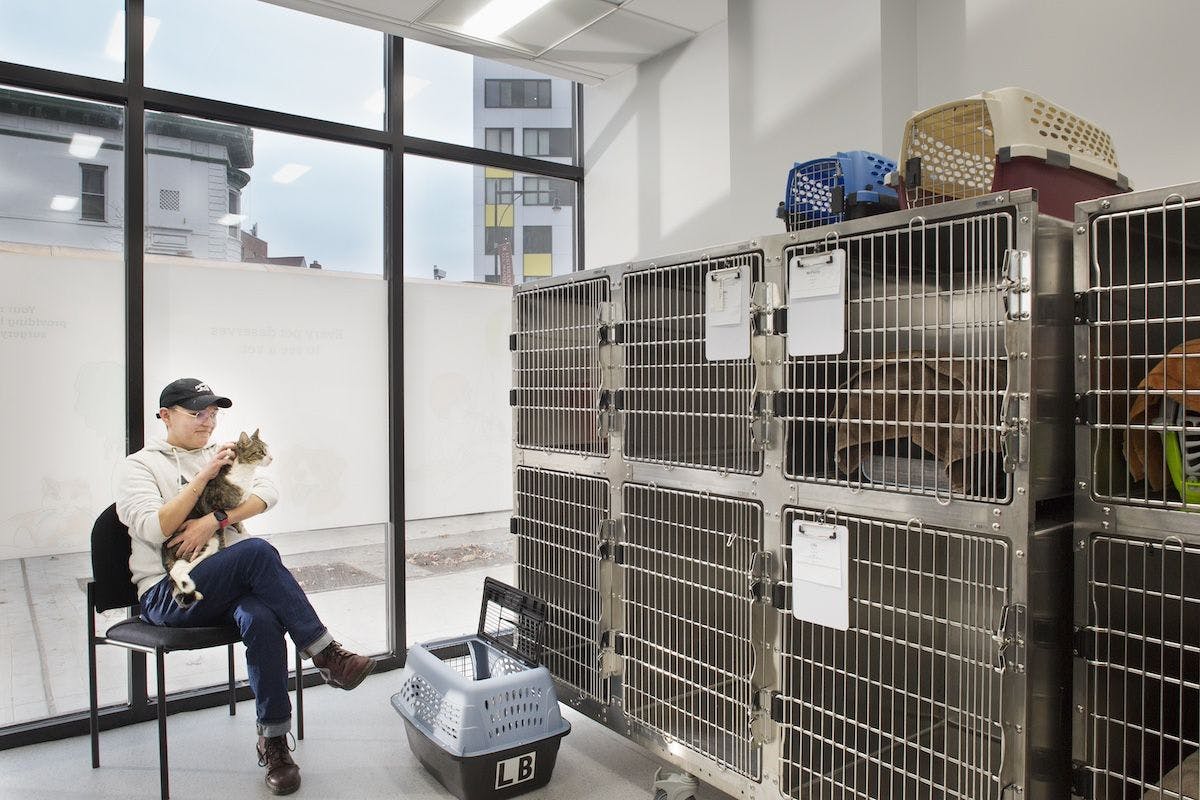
585	40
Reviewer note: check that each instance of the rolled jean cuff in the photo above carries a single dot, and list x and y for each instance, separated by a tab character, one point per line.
317	645
269	729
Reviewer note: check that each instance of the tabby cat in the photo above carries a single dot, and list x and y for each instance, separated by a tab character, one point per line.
226	491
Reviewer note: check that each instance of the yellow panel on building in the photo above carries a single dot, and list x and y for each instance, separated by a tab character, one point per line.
498	215
536	265
496	172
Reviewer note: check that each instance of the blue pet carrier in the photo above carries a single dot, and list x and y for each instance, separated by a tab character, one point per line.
828	190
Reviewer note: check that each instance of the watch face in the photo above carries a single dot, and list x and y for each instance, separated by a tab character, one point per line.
220	515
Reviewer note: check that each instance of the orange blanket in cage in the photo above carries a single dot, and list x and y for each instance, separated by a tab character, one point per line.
1176	377
932	401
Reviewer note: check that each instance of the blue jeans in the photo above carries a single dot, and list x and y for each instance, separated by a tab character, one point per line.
246	584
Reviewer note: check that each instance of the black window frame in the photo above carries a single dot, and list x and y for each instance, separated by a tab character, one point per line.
499	135
517	93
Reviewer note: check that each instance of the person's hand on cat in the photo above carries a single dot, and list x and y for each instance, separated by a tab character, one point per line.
193	534
225	455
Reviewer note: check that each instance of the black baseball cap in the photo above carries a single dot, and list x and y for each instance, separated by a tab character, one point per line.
192	394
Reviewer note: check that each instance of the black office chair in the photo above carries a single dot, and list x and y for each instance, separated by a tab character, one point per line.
112	587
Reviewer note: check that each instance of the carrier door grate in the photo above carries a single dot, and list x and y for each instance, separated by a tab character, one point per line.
557	358
557	523
687	651
1144	669
1143	316
907	702
681	409
915	402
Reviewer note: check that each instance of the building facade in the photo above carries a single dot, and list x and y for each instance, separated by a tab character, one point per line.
524	224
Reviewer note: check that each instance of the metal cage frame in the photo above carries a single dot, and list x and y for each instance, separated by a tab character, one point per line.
1137	612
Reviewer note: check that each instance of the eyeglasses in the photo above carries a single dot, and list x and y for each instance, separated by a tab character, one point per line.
207	415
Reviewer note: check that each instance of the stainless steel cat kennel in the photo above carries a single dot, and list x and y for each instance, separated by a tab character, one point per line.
935	428
1137	537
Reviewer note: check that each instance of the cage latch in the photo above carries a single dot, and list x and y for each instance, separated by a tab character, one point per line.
1014	430
610	654
1081	643
611	548
767	406
1081	780
1010	639
762	719
765	303
761	575
607	410
1012	791
1016	285
1087	307
1087	407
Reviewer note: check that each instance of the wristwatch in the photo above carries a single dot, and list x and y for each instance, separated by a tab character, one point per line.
222	519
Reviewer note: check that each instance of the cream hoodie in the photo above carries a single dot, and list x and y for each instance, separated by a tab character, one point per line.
144	482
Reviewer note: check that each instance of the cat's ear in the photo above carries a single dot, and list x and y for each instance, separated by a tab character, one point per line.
243	439
254	435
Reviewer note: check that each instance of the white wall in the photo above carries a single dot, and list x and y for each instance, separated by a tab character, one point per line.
692	148
1125	66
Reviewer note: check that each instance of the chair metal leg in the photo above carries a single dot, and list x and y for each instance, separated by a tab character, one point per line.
161	669
232	689
299	697
93	692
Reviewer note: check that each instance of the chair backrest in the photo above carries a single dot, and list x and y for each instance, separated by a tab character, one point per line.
111	546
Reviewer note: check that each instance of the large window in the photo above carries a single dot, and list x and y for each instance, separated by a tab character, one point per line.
508	93
62	340
265	262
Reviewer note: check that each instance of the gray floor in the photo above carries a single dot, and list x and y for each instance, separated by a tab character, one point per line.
355	747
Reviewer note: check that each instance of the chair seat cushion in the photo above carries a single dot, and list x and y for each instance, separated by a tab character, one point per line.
137	631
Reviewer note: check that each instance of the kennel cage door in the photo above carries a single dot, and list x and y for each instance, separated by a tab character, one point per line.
816	311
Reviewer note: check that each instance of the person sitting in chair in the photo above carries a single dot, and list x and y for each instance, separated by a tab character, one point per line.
245	583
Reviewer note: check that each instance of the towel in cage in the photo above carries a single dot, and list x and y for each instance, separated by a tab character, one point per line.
1181	783
1175	378
1007	139
917	397
824	191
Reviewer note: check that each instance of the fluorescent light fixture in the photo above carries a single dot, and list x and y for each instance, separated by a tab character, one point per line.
84	145
377	102
231	219
62	202
115	47
289	172
498	16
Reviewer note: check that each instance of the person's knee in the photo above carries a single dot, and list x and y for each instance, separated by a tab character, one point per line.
257	621
257	548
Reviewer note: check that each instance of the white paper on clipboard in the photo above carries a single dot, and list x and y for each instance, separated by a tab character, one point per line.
816	312
821	574
727	313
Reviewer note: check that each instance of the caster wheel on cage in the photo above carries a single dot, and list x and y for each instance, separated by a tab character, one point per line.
674	785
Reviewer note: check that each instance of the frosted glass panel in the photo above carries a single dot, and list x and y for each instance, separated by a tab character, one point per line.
303	356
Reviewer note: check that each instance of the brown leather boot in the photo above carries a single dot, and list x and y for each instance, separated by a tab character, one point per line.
283	776
341	668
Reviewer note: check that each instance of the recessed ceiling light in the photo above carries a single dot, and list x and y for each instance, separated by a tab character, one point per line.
85	145
62	202
289	172
498	16
115	47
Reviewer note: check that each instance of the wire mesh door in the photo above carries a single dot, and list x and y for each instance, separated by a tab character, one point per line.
1144	344
686	642
949	154
915	402
557	522
557	367
908	702
1143	669
681	409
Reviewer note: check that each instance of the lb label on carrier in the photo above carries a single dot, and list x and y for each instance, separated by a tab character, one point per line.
512	771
